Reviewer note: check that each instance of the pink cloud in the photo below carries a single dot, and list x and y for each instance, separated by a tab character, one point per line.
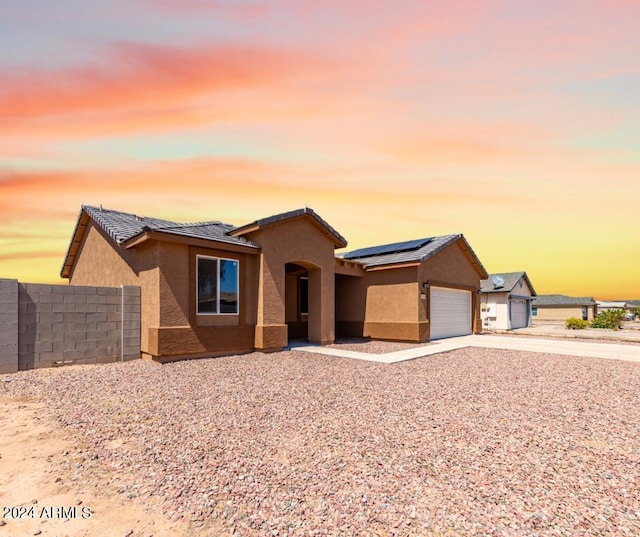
145	76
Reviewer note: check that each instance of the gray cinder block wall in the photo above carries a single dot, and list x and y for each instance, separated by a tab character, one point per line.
49	325
8	326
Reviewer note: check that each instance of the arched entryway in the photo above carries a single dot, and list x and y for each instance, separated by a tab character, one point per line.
303	301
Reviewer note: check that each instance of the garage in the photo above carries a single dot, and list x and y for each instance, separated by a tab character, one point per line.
450	312
519	312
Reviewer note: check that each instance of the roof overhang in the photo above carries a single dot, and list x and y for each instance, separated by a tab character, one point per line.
348	268
192	241
76	240
393	266
84	221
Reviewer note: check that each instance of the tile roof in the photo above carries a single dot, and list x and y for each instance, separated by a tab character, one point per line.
342	242
417	255
562	300
510	281
122	227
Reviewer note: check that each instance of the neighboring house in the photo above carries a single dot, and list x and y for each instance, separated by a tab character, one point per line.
211	288
505	302
561	308
634	306
612	305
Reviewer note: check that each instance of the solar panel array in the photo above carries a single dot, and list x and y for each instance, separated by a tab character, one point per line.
394	248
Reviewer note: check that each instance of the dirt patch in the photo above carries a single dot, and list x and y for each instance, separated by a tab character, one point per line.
41	492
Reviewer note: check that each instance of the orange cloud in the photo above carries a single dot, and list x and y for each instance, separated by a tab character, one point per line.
16	256
147	77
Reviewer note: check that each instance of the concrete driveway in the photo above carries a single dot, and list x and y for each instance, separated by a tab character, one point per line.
612	351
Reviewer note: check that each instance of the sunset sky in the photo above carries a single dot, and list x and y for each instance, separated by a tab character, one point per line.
516	123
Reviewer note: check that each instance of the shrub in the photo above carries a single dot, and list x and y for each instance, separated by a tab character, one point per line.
611	319
576	324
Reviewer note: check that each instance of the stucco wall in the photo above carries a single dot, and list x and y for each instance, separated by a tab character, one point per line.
559	314
100	262
166	273
183	332
500	302
452	268
521	288
382	304
350	304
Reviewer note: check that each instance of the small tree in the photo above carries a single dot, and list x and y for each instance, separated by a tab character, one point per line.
612	319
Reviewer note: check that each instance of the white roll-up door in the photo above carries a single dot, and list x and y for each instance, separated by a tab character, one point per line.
519	312
450	312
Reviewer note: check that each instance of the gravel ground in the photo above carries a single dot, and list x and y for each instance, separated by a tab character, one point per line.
471	442
373	347
572	336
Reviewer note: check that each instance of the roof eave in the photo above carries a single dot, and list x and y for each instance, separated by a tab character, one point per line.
167	236
533	291
74	245
405	264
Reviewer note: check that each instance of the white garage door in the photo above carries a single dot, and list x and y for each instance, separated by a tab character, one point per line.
519	309
450	312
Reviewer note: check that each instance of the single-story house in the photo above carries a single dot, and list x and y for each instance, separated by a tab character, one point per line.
561	308
505	301
211	288
612	305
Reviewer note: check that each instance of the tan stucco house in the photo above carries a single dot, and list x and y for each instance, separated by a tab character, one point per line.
505	302
561	307
211	288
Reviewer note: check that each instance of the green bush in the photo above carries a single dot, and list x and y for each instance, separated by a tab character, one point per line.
576	324
611	319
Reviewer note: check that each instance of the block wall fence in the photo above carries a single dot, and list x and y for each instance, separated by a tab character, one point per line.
51	325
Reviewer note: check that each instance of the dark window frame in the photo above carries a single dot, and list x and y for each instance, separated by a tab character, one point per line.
218	304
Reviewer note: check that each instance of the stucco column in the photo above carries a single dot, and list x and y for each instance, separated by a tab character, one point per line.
271	330
322	306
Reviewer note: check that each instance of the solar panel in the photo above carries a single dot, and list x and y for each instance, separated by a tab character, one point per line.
394	248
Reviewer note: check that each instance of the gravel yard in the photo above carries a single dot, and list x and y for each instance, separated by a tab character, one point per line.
471	442
373	346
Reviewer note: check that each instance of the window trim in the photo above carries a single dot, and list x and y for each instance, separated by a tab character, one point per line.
218	259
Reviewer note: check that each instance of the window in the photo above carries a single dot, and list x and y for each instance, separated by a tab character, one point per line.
217	285
534	312
304	295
